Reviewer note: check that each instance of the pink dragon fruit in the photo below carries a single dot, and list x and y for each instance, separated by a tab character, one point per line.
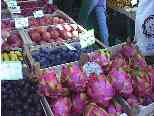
62	107
117	62
121	82
142	82
100	57
139	60
133	100
100	90
93	110
79	103
77	81
115	108
50	86
65	73
128	50
112	110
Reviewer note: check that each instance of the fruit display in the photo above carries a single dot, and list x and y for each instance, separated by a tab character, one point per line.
47	20
125	74
19	98
56	34
48	57
12	40
12	56
119	3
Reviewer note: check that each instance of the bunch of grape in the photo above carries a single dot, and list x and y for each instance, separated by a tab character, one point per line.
19	98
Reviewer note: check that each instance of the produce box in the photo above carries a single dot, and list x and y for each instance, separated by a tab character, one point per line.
131	95
49	56
54	35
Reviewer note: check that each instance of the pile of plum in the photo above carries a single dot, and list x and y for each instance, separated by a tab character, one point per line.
50	57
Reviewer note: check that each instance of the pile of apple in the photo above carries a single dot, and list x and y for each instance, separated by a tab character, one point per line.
46	20
58	34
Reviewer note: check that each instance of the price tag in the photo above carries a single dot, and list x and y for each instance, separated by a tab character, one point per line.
134	2
87	38
11	3
38	14
13	7
11	70
69	46
123	114
92	67
50	2
21	22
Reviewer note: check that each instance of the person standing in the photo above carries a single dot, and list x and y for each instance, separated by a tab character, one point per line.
93	13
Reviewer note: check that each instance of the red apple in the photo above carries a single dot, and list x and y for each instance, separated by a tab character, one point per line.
46	36
75	33
67	27
35	36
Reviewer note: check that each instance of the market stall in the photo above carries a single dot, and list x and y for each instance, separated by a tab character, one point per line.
52	66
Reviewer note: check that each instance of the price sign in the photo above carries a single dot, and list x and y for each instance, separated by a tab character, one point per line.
92	67
11	70
38	14
50	2
123	114
21	22
69	46
13	7
87	38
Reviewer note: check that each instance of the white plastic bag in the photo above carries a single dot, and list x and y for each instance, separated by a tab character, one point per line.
144	27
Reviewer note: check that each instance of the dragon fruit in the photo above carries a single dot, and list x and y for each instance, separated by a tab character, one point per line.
62	107
64	74
112	110
115	108
128	50
133	100
50	86
142	82
100	90
100	57
117	62
93	110
79	103
77	81
138	60
121	82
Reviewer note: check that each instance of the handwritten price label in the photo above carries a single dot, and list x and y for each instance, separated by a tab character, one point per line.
21	22
13	7
11	70
38	14
87	38
92	67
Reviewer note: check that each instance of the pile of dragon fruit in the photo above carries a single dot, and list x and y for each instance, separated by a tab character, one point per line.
73	93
